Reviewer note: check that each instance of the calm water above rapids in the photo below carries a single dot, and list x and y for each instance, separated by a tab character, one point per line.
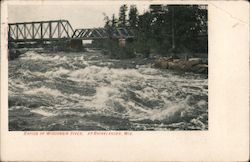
87	91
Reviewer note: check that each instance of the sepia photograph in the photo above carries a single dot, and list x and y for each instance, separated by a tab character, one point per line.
132	80
134	67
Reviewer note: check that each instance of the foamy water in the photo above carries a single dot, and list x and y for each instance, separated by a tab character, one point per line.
87	91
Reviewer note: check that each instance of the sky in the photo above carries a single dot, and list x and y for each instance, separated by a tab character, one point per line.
79	16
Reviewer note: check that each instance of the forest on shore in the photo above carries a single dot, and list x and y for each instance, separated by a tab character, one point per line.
166	30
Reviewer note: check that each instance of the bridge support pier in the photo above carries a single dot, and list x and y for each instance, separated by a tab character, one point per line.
76	44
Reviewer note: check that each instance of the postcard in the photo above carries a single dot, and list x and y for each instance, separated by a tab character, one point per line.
124	80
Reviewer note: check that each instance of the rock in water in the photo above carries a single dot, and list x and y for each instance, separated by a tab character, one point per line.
200	68
13	54
192	65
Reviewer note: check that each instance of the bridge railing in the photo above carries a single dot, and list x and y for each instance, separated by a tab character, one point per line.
40	30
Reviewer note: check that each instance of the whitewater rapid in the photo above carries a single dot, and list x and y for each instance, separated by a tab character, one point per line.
88	91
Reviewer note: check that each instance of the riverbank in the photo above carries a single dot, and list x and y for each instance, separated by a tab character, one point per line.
196	65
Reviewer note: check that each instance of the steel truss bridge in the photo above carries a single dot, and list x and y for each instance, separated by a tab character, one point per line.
61	30
101	33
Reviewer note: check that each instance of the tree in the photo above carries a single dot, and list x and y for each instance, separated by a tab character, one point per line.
113	21
107	21
157	22
144	34
188	22
122	16
133	17
165	29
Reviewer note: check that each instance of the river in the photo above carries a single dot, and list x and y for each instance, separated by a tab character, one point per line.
89	91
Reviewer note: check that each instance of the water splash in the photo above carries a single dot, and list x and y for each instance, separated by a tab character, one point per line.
87	91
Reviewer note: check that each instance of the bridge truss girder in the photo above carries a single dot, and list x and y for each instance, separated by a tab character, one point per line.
40	30
102	33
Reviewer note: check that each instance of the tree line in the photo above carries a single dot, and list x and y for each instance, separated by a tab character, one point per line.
162	29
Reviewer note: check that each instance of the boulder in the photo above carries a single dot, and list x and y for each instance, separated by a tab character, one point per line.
195	59
157	63
200	68
189	64
192	65
174	66
167	58
13	54
176	60
164	64
161	64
